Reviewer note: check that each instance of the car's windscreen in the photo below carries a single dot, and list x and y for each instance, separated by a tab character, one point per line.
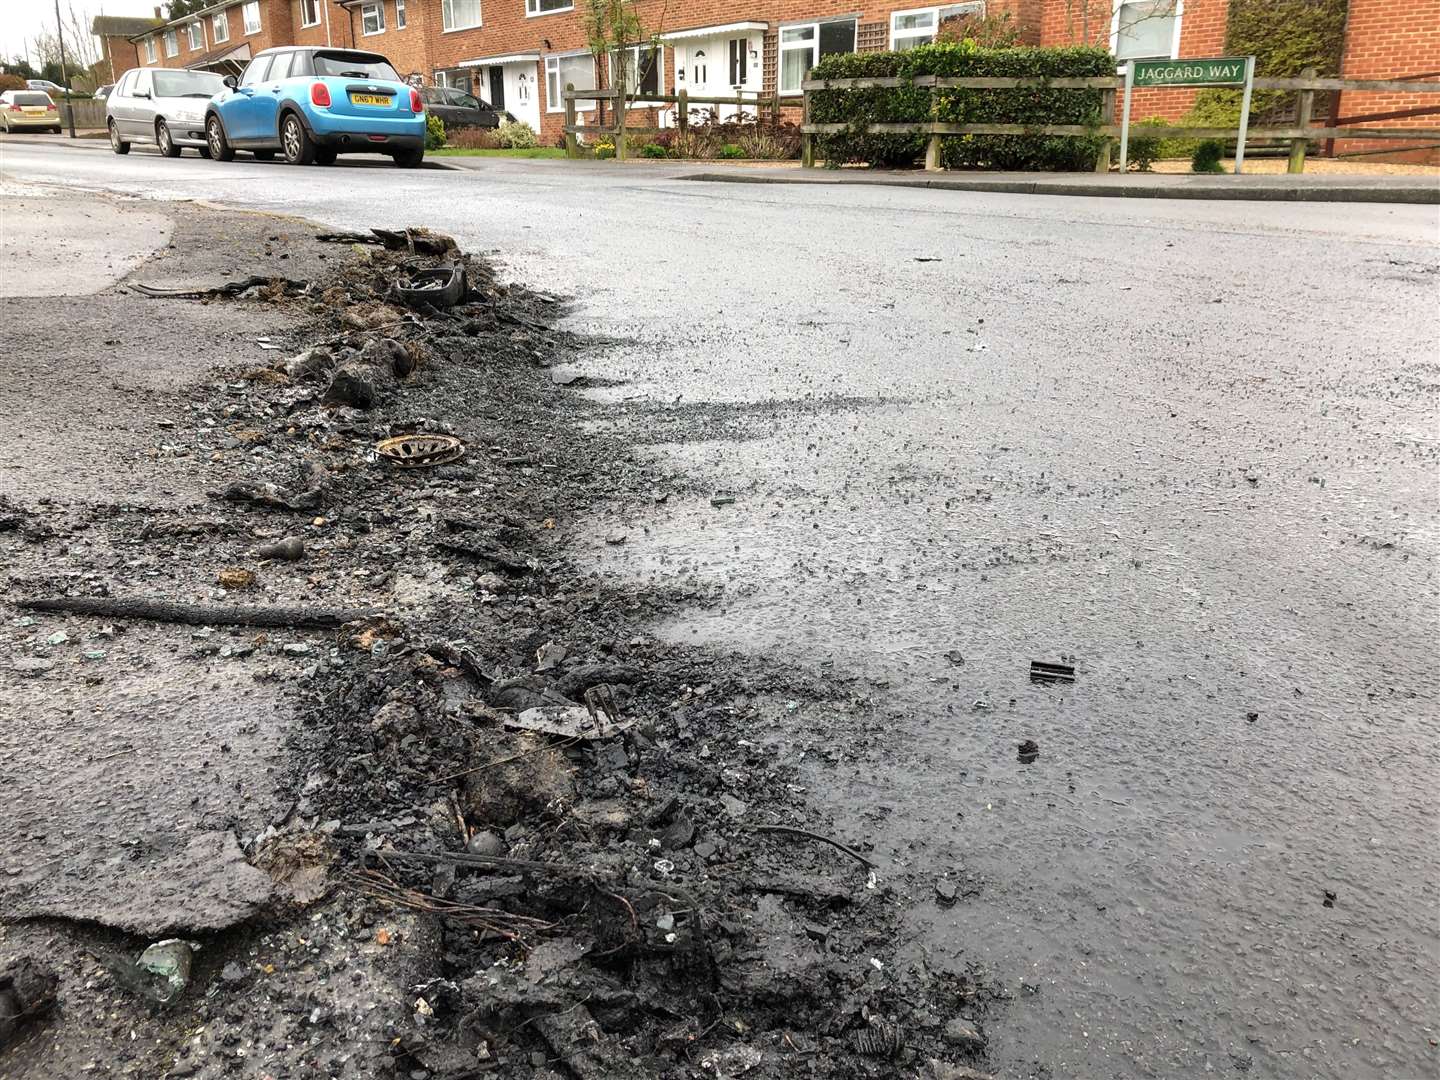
31	98
354	66
198	84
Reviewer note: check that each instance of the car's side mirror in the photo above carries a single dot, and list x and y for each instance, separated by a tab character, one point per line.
142	93
230	81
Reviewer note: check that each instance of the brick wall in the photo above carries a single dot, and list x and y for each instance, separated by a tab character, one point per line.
121	55
409	48
1390	39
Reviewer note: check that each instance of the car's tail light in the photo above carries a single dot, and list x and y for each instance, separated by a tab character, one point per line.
416	105
15	108
320	95
51	108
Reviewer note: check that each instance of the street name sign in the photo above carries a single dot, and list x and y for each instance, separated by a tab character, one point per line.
1224	71
1219	71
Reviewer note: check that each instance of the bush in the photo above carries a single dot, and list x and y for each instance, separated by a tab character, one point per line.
1207	157
605	149
11	82
653	150
731	152
473	138
1145	150
434	132
1036	106
516	135
707	136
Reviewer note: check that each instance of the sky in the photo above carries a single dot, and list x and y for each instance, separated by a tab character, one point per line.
24	19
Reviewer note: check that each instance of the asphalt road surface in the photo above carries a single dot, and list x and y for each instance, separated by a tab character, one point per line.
1189	447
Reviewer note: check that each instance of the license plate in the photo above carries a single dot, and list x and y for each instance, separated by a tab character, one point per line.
383	100
37	111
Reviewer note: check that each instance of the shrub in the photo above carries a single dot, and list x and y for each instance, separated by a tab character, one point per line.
1037	106
653	150
473	138
731	152
516	135
1145	150
1207	157
11	82
605	148
706	136
434	132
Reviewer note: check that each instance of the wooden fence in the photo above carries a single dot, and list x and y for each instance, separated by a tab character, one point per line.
1298	135
618	129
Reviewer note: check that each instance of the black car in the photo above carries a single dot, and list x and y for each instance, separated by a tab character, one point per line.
458	109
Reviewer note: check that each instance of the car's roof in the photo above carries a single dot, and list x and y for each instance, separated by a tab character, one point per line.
321	48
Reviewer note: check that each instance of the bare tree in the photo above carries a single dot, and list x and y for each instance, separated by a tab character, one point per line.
1088	22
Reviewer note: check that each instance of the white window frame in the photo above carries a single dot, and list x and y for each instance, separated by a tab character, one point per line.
400	22
532	9
172	42
219	27
635	65
447	17
976	7
309	8
814	46
193	36
553	102
152	54
377	9
1179	17
251	7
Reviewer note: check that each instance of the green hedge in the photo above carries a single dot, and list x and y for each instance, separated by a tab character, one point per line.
963	59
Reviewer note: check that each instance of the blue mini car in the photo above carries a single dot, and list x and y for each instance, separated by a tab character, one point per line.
312	104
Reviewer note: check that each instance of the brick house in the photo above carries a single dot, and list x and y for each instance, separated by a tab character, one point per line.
118	52
519	54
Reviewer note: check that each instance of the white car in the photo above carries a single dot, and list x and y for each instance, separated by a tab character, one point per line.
163	106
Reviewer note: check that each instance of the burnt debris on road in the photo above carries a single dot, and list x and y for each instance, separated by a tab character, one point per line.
514	833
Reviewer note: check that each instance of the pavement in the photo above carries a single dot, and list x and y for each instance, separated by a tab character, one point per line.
1186	445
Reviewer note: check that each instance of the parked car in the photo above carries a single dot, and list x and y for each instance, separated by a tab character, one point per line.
27	110
312	104
47	86
164	106
459	109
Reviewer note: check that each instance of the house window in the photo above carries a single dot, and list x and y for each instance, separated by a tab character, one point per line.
250	16
645	69
577	69
150	51
399	14
545	7
459	14
522	89
220	27
739	61
911	28
372	19
698	62
802	47
309	12
172	44
1146	29
193	37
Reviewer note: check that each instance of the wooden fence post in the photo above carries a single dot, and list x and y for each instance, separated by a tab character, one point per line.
807	141
1107	117
932	145
1303	108
682	111
572	141
620	110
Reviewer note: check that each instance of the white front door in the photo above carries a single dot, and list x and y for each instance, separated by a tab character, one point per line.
522	92
718	67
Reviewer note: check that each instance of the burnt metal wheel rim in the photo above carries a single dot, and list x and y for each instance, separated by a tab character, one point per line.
292	137
163	136
420	451
212	136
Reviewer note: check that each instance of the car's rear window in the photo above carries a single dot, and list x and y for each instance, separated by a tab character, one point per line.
354	65
200	84
31	97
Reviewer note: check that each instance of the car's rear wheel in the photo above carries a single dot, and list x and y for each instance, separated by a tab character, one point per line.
325	156
204	150
119	145
220	148
164	141
295	141
409	159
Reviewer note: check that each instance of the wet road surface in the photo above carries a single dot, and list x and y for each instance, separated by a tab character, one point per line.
1192	446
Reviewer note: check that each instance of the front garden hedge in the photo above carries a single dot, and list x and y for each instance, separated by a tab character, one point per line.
964	59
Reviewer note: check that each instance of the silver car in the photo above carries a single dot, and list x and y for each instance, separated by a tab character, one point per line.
164	106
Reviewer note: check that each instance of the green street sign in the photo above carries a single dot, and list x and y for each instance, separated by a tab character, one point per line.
1224	71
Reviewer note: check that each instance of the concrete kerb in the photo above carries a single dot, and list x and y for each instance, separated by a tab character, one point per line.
1371	190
